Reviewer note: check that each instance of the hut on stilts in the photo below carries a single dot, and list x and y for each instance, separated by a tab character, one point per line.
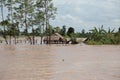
55	38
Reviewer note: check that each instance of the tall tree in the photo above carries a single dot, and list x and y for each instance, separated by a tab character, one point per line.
57	29
70	31
31	20
24	12
63	30
2	15
9	4
47	10
119	29
40	18
50	11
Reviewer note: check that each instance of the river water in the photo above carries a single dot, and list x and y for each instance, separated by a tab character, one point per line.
59	62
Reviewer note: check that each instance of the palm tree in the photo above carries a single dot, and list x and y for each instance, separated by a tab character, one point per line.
109	33
109	37
97	34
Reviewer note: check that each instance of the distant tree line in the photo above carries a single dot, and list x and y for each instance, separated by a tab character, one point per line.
93	36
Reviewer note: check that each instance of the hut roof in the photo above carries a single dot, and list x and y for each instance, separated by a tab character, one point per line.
55	36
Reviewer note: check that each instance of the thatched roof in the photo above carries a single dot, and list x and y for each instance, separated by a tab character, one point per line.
55	36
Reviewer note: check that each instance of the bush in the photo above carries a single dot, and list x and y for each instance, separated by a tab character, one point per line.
73	38
91	42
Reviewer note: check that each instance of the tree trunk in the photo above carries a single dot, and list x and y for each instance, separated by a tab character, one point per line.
4	36
10	39
41	40
46	21
27	25
42	34
33	36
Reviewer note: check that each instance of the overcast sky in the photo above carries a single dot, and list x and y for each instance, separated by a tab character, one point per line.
86	14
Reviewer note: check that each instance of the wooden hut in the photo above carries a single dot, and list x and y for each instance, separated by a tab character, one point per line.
54	39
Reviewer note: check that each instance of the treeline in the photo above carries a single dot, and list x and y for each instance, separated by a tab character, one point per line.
102	36
94	36
25	17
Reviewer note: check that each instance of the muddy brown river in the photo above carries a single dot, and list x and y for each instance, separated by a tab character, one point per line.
59	62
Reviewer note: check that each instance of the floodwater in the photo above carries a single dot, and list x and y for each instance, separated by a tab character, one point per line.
59	62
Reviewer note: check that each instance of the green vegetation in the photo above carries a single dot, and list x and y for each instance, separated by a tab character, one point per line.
96	36
101	36
30	18
25	17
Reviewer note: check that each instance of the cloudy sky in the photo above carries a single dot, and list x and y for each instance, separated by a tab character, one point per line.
86	14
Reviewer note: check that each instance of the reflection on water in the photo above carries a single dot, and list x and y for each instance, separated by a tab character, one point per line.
11	48
59	62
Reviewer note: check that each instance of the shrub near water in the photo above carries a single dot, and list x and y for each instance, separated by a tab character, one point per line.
91	42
